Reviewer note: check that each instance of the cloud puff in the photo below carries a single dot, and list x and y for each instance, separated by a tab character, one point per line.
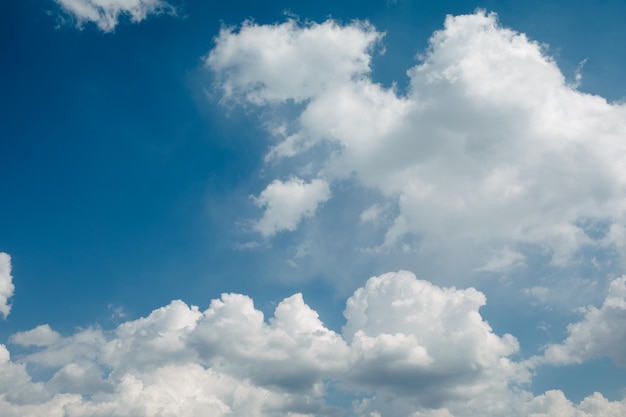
6	284
273	63
41	335
287	203
554	403
412	337
106	13
404	339
489	146
292	352
601	332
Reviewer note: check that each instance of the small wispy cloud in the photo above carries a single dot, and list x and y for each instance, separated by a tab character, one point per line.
106	14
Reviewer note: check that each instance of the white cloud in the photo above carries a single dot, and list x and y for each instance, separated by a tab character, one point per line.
601	332
6	284
287	203
41	335
489	147
404	339
153	340
106	13
408	349
429	343
554	403
263	64
292	352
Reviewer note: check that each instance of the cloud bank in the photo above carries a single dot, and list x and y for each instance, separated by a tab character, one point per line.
408	348
490	146
106	13
6	284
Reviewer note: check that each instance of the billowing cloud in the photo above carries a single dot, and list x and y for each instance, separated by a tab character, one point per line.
106	13
6	284
601	332
489	146
405	338
408	348
287	203
431	343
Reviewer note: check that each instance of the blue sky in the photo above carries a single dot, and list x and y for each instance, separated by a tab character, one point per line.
442	183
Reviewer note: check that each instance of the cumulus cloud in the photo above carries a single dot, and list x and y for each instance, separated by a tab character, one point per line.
430	343
404	338
554	403
287	203
408	348
6	284
488	146
273	63
292	352
41	335
106	13
601	332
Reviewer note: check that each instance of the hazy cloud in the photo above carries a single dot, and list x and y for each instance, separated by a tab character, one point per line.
106	13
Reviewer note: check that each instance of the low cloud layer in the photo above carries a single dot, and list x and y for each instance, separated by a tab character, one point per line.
106	13
406	342
490	146
6	284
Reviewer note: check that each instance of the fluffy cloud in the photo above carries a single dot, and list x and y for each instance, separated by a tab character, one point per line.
287	203
262	64
431	343
106	13
553	403
408	349
41	335
601	332
6	284
292	352
490	146
404	339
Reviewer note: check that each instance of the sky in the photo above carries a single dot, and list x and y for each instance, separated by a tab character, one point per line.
348	208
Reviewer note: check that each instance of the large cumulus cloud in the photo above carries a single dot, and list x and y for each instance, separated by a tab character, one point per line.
490	146
402	336
408	348
431	343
